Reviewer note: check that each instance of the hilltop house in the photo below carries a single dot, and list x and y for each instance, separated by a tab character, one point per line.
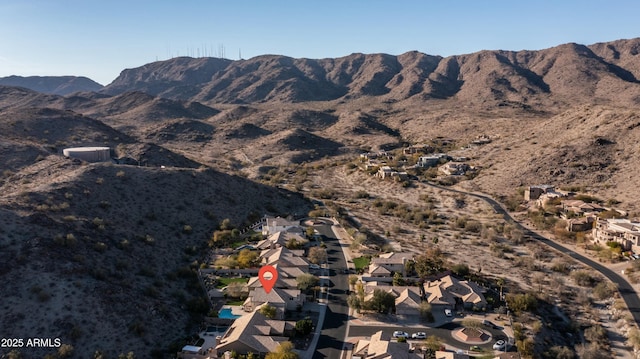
534	192
254	333
623	231
431	160
272	225
454	168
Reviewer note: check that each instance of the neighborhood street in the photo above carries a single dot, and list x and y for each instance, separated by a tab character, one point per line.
334	327
627	292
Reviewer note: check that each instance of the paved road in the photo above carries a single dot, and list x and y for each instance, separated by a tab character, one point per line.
443	332
334	328
627	292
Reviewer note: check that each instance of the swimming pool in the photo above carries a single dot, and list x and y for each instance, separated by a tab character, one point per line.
227	314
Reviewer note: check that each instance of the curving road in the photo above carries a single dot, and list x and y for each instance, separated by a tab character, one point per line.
627	292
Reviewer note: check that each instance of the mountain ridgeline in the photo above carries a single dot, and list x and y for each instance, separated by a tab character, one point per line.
566	74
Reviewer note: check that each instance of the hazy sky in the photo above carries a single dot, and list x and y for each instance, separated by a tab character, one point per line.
100	38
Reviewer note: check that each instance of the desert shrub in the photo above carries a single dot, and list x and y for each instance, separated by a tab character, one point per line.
604	290
560	266
522	302
304	326
583	278
362	194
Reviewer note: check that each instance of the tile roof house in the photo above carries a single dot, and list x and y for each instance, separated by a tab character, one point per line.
272	225
285	258
446	289
286	278
382	346
408	302
254	333
388	263
281	299
279	239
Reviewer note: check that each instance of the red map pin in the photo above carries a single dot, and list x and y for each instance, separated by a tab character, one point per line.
268	276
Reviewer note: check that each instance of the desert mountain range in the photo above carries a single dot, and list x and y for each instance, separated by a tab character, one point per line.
196	134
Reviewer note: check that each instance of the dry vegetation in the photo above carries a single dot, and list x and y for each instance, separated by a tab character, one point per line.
103	255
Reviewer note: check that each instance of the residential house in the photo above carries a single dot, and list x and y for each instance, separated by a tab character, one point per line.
454	168
254	333
545	198
407	298
450	355
581	208
389	263
282	299
381	346
272	225
286	278
408	302
284	257
534	192
384	172
424	148
387	172
279	239
623	231
431	160
580	224
448	291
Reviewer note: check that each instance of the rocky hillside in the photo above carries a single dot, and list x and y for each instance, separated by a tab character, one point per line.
566	74
59	85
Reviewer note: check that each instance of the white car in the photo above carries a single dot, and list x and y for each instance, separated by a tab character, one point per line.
448	313
499	345
400	334
419	335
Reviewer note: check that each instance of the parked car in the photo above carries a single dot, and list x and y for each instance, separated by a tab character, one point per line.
448	313
400	334
419	335
499	345
489	324
314	266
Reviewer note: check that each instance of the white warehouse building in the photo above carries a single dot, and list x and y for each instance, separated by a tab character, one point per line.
89	154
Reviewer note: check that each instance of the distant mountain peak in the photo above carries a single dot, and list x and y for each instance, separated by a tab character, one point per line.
57	85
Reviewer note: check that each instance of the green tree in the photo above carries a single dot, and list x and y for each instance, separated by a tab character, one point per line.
425	312
317	255
522	302
283	351
304	326
310	231
268	311
398	280
247	258
354	302
293	243
381	302
431	262
306	281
